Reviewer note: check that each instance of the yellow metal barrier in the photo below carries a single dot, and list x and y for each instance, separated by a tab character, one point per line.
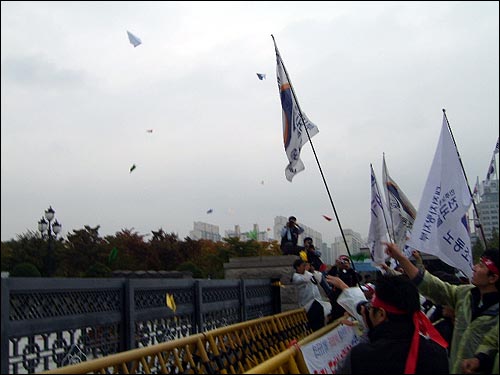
290	361
233	349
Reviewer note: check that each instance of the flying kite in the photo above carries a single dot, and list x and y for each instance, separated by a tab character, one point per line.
133	39
132	168
210	211
149	130
261	76
327	218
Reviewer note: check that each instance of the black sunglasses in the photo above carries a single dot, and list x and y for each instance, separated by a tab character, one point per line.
367	304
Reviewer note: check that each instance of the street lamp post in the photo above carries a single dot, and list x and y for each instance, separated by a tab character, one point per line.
52	230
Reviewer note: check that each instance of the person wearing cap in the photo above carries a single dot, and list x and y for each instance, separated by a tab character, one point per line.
344	270
476	305
317	310
401	339
289	237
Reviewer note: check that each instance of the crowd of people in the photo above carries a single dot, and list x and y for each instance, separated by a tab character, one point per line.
415	321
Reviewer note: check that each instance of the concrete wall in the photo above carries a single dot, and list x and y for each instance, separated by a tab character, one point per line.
273	267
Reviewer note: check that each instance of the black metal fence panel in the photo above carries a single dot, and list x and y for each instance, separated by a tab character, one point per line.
48	323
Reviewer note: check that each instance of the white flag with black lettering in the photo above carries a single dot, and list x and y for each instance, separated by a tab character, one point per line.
378	223
440	227
401	212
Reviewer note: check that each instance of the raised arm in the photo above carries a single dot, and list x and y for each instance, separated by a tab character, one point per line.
393	250
336	282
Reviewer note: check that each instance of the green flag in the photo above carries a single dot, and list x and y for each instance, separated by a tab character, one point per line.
113	254
252	235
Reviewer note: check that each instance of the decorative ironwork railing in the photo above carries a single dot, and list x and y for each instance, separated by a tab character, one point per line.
233	349
49	323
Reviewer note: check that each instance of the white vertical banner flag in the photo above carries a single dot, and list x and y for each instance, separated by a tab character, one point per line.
378	223
441	225
401	211
294	134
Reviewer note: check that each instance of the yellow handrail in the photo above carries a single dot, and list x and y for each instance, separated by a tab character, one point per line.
291	361
232	349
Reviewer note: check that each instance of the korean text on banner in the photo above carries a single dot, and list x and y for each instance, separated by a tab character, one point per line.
325	354
440	227
378	224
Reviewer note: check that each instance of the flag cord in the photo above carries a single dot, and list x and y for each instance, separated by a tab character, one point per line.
483	238
315	156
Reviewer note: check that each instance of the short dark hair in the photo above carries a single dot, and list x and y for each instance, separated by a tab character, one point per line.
308	239
398	291
298	263
292	218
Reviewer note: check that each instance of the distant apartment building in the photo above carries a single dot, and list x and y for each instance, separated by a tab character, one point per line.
205	231
254	234
327	254
488	208
354	241
208	231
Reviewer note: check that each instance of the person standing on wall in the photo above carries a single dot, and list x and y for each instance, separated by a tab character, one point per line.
290	236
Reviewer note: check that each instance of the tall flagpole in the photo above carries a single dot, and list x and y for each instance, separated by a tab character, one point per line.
482	237
314	152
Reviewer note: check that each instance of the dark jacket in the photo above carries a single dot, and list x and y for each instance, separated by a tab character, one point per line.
351	278
387	351
289	245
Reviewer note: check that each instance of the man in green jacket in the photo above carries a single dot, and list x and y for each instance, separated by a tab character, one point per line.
486	358
476	305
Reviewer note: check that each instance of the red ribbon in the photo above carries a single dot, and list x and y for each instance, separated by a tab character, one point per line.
422	325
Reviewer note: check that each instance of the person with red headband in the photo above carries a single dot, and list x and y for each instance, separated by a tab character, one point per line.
401	337
476	305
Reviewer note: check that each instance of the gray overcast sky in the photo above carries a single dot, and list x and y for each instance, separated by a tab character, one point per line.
77	99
